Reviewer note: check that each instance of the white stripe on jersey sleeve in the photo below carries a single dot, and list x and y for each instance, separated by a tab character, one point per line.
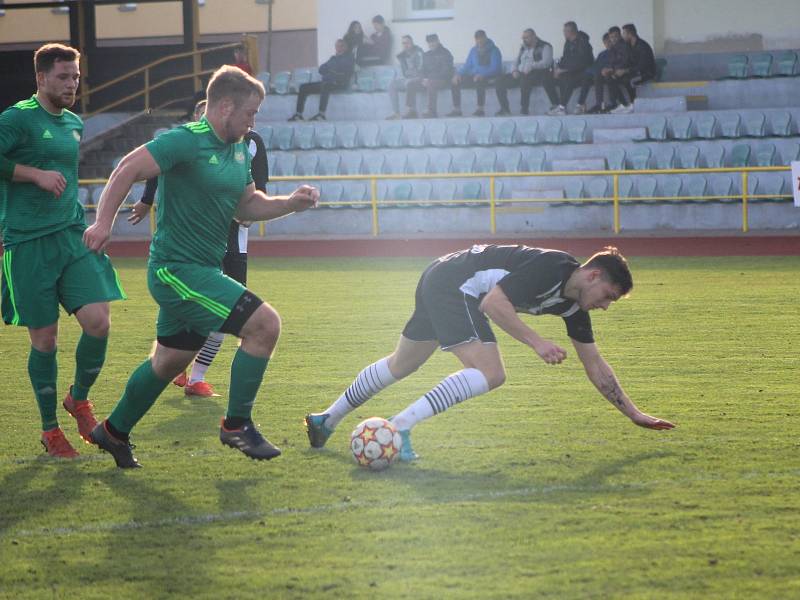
482	282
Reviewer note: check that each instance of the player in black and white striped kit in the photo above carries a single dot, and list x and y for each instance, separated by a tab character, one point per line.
455	298
234	264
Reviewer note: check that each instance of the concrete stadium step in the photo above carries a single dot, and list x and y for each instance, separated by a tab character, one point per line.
602	135
665	104
778	92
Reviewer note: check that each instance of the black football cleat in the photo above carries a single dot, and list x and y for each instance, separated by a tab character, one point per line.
119	449
248	441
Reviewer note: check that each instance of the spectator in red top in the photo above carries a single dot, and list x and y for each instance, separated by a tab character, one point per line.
240	60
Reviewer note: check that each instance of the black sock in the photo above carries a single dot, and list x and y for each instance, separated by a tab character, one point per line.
235	422
116	432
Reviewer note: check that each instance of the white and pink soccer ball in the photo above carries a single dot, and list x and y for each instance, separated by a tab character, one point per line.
375	444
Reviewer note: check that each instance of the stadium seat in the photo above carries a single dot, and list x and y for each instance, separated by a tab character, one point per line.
458	132
355	191
794	154
418	162
657	129
615	159
597	187
285	164
307	164
384	76
436	132
350	163
505	132
390	135
329	163
280	84
781	124
421	191
706	126
266	135
661	67
471	190
755	125
365	80
696	187
299	77
508	160
395	163
689	156
347	135
715	156
85	196
671	186
573	188
325	136
441	161
116	160
330	192
639	157
576	131
272	189
737	67
723	188
740	155
283	137
445	190
399	190
369	134
770	186
681	127
529	131
730	125
552	131
765	155
665	158
271	159
263	77
485	161
761	65
787	64
646	187
463	162
536	160
414	134
625	187
304	137
372	163
481	130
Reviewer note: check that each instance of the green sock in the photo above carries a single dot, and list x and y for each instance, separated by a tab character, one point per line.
43	371
143	388
89	358
247	371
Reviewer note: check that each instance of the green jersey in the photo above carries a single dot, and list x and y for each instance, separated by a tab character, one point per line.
32	137
202	179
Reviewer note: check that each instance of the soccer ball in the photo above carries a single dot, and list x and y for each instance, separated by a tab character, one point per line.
375	443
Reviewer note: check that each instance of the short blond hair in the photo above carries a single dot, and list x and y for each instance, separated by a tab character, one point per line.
231	82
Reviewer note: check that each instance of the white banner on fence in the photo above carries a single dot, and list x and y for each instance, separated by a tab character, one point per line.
796	182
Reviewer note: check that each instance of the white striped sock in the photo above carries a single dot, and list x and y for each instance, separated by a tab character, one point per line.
369	382
453	389
205	357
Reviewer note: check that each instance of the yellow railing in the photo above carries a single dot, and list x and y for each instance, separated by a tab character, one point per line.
506	204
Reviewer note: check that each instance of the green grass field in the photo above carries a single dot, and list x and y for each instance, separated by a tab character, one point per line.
538	489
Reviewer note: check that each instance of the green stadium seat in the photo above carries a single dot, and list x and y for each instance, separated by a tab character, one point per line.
681	127
390	135
509	161
722	188
661	68
441	162
625	187
573	188
646	187
672	186
737	67
116	160
458	131
304	137
740	155
325	136
782	124
285	164
368	133
395	163
400	191
639	157
665	158
505	132
414	134
299	77
330	192
421	191
263	77
283	137
266	135
436	131
445	190
85	196
355	191
689	156
307	164
463	162
481	130
552	131
761	65
418	162
329	163
765	155
730	125
597	187
536	160
715	156
529	131
696	187
372	163
657	129
485	161
576	131
471	190
271	158
347	135
755	125
706	125
770	186
280	84
350	163
615	159
794	154
787	64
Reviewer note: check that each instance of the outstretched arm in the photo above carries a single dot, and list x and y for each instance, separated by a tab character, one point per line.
602	376
134	167
257	206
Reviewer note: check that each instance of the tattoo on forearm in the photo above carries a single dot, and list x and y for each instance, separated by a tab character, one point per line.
611	390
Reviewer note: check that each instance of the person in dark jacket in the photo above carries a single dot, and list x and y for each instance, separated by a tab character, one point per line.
411	66
642	69
619	59
570	70
354	38
377	48
590	78
336	75
484	65
532	68
437	73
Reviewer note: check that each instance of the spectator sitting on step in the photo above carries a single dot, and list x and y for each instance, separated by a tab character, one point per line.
484	64
377	48
590	76
571	68
534	61
437	73
411	66
642	69
620	58
336	73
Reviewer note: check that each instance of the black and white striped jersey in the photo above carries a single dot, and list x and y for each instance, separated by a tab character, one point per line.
533	279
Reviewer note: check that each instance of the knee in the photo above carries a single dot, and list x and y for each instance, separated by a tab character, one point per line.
495	378
401	369
45	343
98	327
267	327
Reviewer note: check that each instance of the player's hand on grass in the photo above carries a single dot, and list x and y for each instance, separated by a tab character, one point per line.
303	198
138	212
648	422
549	352
96	237
51	181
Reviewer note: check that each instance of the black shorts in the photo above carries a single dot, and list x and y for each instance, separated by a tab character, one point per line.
234	265
444	313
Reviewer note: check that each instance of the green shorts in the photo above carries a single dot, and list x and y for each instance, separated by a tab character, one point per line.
54	269
192	298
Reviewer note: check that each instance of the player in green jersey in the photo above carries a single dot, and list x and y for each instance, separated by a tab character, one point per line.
204	181
45	262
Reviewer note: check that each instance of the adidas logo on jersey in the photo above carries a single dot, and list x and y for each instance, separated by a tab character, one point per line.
213	160
47	135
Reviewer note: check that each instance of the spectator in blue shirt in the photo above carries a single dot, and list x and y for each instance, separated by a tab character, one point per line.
484	64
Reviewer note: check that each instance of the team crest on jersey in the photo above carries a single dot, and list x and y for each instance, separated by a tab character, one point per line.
76	135
239	156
